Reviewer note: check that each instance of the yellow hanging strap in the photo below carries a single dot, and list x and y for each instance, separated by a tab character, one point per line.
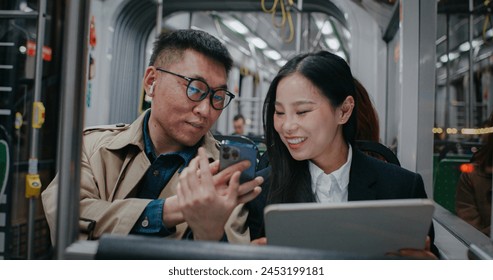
487	19
291	27
272	9
285	14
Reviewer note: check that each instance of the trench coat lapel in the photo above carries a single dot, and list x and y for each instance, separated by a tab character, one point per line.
135	163
130	177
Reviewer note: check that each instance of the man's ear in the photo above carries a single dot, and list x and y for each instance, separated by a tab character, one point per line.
346	109
149	80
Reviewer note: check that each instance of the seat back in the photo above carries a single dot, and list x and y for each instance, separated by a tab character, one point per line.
445	183
378	150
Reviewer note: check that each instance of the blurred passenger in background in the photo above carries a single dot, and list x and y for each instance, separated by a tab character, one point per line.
239	125
473	194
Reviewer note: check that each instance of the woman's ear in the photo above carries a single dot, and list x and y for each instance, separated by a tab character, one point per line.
346	109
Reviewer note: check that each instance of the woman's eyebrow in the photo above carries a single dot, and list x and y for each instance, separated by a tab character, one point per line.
297	103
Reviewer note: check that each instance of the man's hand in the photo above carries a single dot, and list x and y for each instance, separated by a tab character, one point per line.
206	201
246	192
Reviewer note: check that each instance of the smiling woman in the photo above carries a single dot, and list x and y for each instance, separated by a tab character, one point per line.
310	128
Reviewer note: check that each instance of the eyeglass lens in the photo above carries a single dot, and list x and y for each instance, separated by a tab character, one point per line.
198	90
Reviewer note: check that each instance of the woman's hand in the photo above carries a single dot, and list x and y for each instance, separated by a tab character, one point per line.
259	241
417	253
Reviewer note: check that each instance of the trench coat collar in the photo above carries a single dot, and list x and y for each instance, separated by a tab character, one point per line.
134	135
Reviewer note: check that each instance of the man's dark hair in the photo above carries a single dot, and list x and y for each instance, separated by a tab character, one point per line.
170	46
238	117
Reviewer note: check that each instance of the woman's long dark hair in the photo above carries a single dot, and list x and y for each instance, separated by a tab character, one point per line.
290	179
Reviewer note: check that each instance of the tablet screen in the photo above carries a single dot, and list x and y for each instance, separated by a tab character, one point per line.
367	227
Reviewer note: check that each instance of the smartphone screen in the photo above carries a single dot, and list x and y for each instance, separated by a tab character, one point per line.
232	152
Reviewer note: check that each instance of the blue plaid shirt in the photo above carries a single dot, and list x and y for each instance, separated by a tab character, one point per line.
156	177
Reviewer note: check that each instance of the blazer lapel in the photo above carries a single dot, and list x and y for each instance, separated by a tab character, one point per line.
362	177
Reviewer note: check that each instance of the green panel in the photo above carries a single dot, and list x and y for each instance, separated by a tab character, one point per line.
446	179
435	166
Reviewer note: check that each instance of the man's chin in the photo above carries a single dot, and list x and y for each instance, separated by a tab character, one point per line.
191	142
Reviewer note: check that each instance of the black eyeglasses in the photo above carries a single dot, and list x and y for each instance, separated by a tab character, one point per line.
198	90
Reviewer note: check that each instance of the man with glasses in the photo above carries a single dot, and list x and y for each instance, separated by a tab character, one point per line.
135	178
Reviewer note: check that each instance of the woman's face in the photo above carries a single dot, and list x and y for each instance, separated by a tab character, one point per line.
307	123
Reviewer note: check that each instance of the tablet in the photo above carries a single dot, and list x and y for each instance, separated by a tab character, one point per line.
371	227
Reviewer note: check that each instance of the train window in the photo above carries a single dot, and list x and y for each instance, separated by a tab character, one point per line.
462	130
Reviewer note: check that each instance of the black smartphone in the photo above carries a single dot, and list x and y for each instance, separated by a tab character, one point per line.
232	152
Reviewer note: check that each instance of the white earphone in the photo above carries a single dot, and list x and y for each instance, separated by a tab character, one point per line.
151	90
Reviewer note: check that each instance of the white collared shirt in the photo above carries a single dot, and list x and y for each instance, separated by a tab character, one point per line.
331	187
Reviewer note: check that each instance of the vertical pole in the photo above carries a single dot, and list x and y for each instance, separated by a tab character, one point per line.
447	80
33	155
159	17
74	73
470	97
298	26
417	87
426	91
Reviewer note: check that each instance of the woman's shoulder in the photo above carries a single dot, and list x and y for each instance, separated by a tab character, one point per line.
380	166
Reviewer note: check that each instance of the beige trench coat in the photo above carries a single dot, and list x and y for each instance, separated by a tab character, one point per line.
113	162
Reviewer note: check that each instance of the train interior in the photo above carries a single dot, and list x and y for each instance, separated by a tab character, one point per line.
66	65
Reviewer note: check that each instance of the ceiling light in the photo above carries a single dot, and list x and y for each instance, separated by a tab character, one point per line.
333	43
281	62
464	47
453	55
324	26
341	54
272	54
327	28
444	58
236	26
476	43
489	33
347	34
25	8
257	42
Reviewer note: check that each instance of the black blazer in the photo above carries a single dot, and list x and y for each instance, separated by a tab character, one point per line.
369	179
374	179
